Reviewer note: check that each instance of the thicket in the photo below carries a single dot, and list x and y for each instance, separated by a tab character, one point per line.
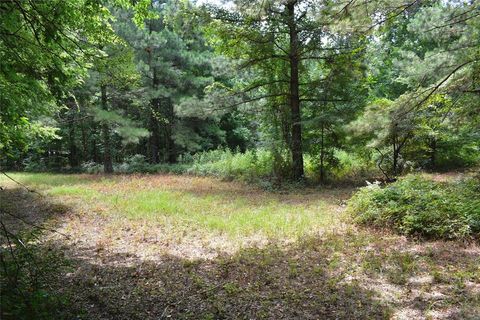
419	206
253	165
26	273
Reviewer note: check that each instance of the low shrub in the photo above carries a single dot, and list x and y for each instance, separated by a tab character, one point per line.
91	167
25	275
352	167
139	164
250	165
34	165
416	205
175	168
135	163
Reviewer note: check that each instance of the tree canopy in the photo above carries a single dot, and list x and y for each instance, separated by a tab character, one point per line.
393	84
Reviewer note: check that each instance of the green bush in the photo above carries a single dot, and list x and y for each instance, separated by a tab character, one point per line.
135	163
35	165
352	167
251	165
416	205
175	168
26	272
91	167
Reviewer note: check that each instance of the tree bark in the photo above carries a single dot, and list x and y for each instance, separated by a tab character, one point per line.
72	146
107	151
84	140
170	156
433	153
296	143
322	154
396	151
94	148
73	154
154	140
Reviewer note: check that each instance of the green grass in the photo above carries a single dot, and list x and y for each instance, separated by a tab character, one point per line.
218	209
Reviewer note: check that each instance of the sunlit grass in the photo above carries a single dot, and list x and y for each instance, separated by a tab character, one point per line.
200	204
47	179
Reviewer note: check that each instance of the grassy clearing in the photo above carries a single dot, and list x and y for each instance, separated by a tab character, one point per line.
198	203
163	246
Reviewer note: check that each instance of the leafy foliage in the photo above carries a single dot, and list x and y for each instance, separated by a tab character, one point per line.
416	205
27	268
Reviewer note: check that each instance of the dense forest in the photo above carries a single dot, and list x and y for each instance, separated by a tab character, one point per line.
239	159
305	88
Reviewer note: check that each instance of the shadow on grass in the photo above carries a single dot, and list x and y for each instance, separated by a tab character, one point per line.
326	278
253	284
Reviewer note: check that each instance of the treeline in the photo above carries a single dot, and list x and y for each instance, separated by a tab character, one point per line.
316	87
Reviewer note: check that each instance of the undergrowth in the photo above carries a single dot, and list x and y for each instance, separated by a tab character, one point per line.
254	165
26	272
416	205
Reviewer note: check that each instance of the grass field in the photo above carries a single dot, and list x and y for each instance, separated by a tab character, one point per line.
166	246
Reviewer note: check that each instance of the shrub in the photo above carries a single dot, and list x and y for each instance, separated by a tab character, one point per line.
25	276
416	205
138	163
352	167
135	163
175	168
251	165
91	167
35	165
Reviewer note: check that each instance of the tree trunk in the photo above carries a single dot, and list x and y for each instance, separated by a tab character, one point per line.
433	153
170	156
395	160
107	151
95	157
73	154
395	152
84	140
322	154
296	144
72	146
154	140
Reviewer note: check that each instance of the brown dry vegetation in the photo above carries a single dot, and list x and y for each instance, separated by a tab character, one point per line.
134	267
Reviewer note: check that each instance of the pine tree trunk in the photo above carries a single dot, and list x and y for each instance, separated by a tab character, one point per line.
322	155
84	141
154	141
72	146
433	153
296	143
94	144
73	154
395	160
171	157
107	151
